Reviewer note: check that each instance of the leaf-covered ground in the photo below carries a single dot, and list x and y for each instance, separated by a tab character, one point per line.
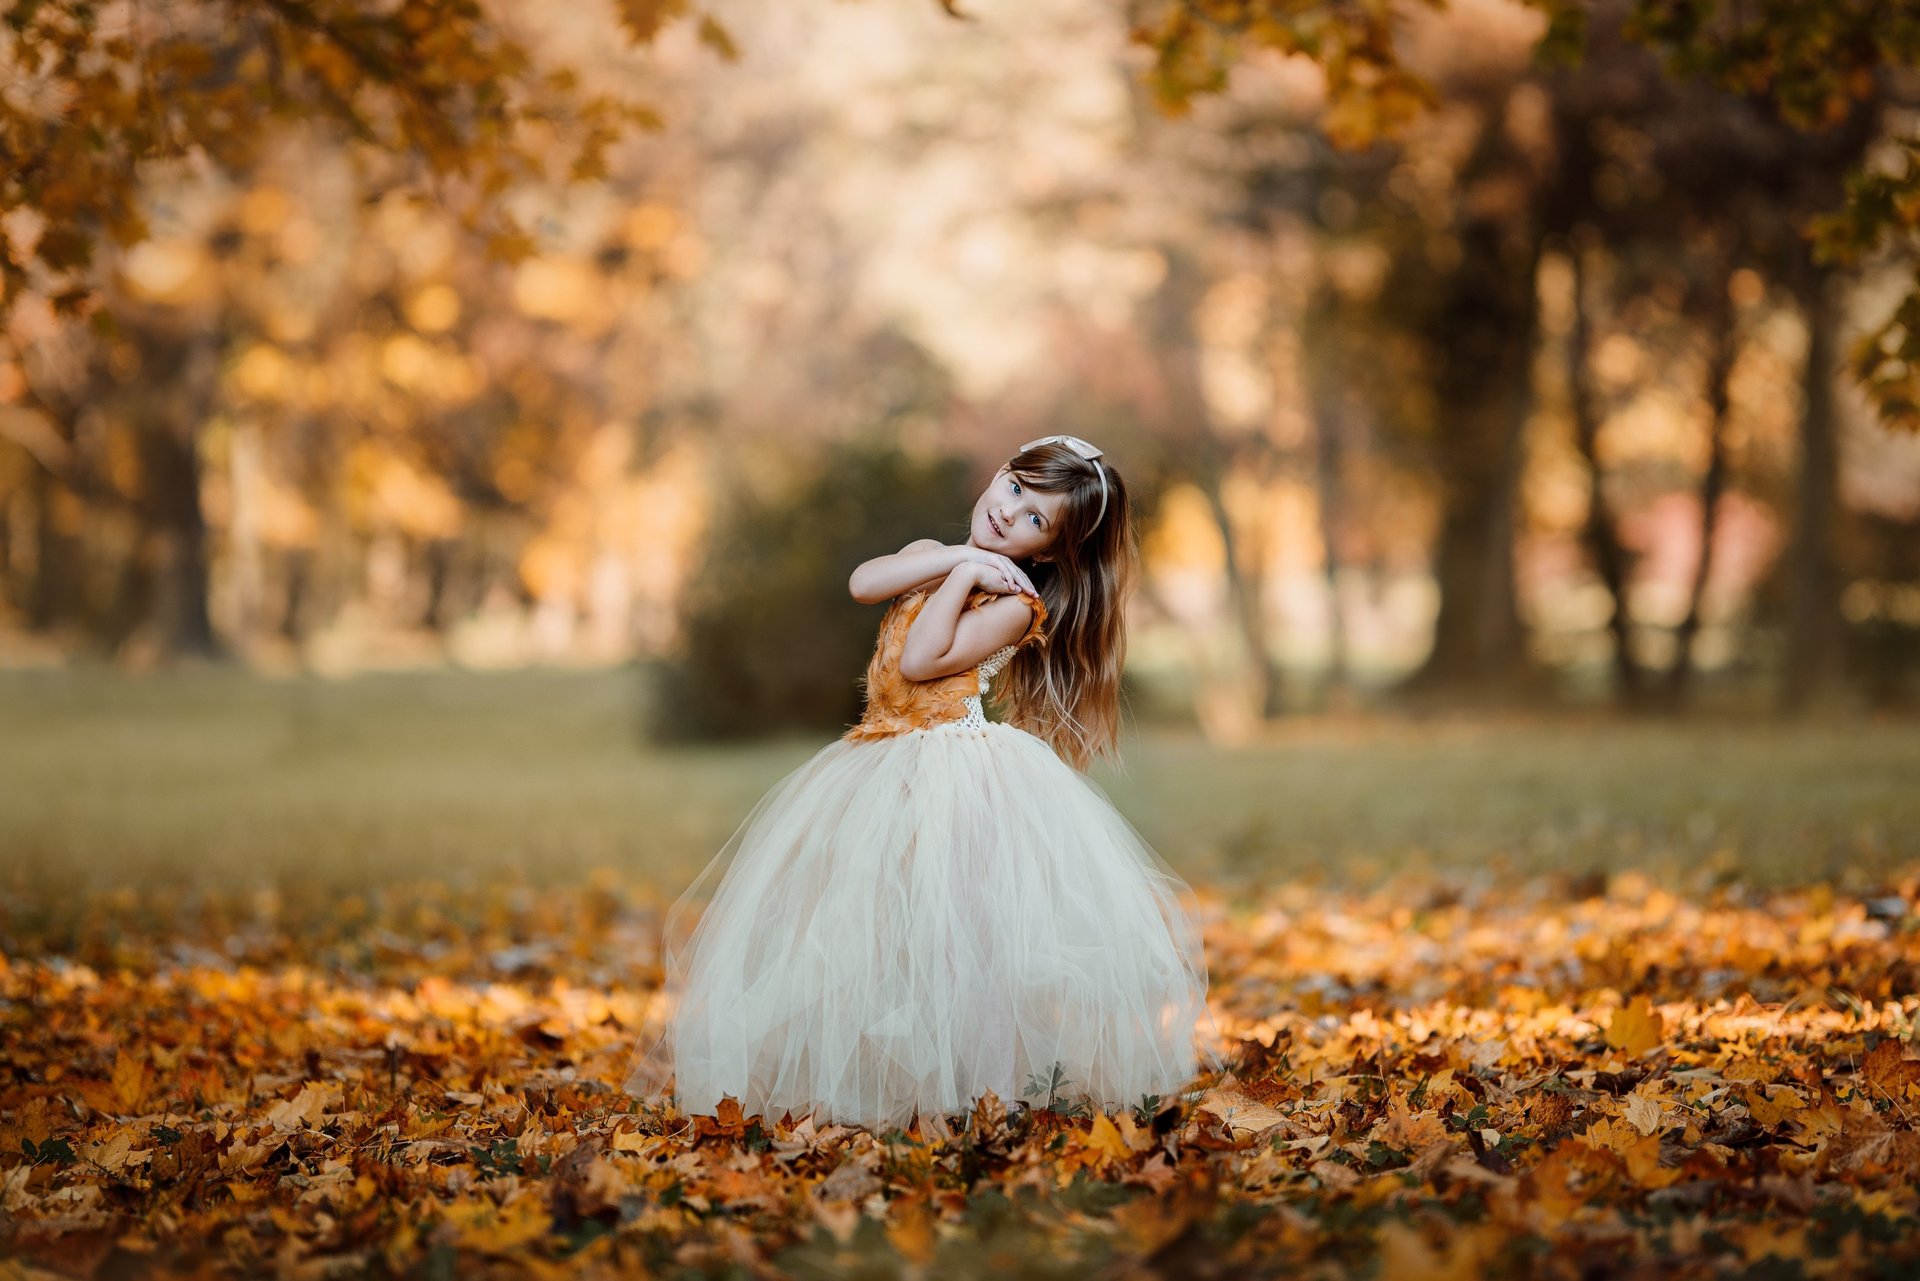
1549	1078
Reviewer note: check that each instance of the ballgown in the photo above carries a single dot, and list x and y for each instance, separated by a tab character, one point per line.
932	907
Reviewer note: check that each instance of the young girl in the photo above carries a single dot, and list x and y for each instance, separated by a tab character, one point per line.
937	905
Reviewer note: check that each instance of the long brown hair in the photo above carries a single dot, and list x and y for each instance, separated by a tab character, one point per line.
1066	690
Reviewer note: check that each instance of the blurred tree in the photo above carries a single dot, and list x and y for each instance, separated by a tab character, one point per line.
1671	175
1480	330
1675	187
771	641
444	95
1421	316
1207	454
1812	64
112	110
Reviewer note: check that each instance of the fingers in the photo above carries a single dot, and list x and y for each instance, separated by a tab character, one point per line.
1016	577
1011	575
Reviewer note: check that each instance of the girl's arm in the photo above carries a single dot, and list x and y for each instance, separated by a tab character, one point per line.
947	637
923	561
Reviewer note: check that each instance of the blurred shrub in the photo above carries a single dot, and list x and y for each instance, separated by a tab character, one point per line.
1885	655
772	640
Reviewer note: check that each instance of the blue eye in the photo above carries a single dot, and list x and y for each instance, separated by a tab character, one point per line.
1014	483
1035	519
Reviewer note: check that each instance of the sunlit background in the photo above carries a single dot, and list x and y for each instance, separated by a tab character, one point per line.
1503	494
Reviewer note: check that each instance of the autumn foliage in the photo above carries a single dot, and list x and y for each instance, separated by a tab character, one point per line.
1559	1078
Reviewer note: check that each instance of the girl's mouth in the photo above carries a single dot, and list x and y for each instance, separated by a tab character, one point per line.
997	531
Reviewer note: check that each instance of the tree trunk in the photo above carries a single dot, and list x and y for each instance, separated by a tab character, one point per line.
170	465
436	615
1484	347
1329	422
1601	531
293	605
1712	484
49	600
1246	588
1206	462
1816	629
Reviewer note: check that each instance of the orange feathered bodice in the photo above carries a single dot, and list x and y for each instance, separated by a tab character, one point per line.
895	704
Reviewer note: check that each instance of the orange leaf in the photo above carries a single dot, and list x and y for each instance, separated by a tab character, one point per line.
1636	1028
1104	1139
1889	1069
1408	1130
131	1081
912	1233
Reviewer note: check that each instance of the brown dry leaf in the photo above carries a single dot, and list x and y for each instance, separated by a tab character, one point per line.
1156	1173
851	1180
1642	1113
1245	1117
303	1109
114	1155
1550	1111
1408	1130
295	1112
1889	1069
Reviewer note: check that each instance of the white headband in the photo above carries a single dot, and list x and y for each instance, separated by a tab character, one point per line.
1086	451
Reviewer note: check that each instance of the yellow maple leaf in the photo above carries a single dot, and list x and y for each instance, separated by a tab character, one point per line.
1770	1105
131	1081
1749	1070
1137	1137
1636	1027
418	1125
1106	1141
1821	1119
1640	1153
634	1141
481	1226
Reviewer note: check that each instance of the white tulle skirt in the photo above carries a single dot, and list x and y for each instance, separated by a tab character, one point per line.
903	924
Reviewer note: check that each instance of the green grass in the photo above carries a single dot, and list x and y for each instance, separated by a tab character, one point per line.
217	779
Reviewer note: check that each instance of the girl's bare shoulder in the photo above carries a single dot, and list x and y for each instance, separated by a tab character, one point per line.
1015	614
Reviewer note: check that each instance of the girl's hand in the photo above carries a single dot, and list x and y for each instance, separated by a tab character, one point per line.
991	577
1006	577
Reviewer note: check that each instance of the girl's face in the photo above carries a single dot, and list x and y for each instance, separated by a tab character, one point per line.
1014	520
